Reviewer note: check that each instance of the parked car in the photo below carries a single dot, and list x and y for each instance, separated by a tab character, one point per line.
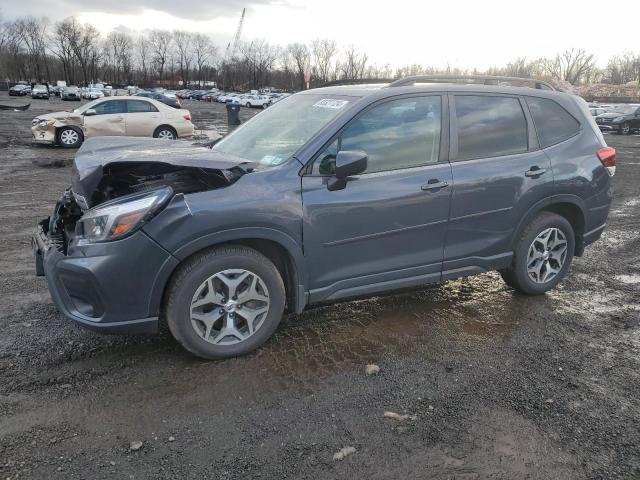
40	91
172	101
70	93
19	90
624	119
92	93
259	101
595	111
113	116
329	194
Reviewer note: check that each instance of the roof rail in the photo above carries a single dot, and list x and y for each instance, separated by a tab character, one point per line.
473	79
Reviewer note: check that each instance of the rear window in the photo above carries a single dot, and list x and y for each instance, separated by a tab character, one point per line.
490	127
553	123
140	106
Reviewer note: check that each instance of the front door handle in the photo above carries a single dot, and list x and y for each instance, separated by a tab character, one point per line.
433	185
535	171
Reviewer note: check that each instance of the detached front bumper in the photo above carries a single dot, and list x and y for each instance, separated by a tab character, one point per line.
108	287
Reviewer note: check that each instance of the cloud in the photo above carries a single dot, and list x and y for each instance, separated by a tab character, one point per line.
186	9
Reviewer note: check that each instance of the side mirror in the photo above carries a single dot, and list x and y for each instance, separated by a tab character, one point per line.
90	112
348	163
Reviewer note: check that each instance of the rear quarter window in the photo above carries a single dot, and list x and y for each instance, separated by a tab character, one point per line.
553	123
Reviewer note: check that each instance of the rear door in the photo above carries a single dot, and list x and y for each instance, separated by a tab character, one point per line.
142	118
499	172
108	120
386	228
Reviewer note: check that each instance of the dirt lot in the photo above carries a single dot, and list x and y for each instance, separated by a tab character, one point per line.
497	385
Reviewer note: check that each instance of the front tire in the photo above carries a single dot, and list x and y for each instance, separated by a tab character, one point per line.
225	302
542	256
248	105
70	137
625	128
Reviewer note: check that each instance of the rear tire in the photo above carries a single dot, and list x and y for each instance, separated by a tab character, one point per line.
248	105
69	137
209	316
542	256
165	132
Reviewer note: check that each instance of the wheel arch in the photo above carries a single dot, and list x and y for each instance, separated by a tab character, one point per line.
278	247
570	207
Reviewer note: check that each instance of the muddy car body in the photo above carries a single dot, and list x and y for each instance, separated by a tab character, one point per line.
330	194
121	116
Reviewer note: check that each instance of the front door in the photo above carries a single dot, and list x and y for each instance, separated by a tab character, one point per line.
108	119
386	228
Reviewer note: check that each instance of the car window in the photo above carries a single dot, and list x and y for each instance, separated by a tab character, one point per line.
110	107
490	127
553	123
140	106
397	134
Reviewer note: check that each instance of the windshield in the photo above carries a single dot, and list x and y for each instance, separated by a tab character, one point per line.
83	108
274	135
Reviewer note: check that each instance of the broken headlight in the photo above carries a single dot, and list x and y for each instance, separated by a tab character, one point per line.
121	217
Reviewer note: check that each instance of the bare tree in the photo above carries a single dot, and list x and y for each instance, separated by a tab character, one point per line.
323	51
61	45
184	46
204	52
143	51
572	66
301	57
623	68
354	65
160	45
260	56
33	35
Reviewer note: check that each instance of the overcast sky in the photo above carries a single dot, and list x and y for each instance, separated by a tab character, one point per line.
463	33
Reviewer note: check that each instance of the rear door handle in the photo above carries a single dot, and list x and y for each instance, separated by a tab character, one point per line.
535	171
433	185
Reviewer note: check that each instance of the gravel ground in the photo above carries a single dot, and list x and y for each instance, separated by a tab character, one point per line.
494	384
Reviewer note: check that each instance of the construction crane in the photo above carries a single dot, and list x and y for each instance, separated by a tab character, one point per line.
232	47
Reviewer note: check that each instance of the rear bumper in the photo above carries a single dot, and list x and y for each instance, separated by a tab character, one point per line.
105	287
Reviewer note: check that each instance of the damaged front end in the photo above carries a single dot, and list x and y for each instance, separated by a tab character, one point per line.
93	251
133	178
44	128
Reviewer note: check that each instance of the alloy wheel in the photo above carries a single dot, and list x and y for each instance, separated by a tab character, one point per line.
229	307
546	255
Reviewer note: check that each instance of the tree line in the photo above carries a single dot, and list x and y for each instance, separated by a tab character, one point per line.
36	50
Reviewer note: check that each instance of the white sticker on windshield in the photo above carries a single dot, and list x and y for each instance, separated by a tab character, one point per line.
330	103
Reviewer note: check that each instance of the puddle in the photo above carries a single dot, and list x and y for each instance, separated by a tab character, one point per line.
467	314
628	279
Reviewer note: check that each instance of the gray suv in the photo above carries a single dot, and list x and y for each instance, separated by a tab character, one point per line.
332	193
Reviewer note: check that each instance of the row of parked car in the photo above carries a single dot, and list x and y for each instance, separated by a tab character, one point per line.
623	119
253	99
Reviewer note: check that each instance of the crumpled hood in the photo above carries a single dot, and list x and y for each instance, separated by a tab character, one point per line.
98	152
75	118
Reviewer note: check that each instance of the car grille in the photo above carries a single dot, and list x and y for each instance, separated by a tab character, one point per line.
603	121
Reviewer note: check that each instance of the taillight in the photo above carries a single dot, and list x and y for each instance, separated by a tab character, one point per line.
187	116
607	156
